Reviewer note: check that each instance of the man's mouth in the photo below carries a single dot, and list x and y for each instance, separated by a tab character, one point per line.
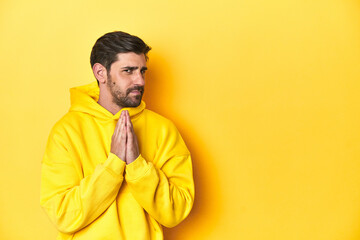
136	90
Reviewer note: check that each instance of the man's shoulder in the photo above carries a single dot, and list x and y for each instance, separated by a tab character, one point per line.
156	119
69	121
154	115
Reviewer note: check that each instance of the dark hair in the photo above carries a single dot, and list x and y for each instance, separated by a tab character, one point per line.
109	45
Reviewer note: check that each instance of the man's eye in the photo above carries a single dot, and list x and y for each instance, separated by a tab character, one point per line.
143	71
127	70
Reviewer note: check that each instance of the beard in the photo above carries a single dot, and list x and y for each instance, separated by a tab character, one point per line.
122	98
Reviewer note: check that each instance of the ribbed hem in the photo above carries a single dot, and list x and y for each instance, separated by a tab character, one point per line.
136	169
115	164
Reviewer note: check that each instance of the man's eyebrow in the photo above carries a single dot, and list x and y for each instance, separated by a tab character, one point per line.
130	68
134	68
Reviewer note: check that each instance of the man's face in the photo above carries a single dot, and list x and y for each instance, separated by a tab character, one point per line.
126	79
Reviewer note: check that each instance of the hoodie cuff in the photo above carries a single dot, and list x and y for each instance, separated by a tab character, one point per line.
136	169
114	164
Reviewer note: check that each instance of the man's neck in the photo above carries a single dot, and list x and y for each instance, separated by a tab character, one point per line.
108	105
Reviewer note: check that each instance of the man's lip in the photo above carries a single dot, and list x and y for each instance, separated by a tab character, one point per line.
135	91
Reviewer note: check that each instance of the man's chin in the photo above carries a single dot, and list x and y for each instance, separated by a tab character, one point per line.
129	101
134	103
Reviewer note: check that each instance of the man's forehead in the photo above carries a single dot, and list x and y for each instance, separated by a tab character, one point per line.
131	57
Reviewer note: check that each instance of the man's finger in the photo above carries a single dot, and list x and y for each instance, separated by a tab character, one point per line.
119	123
130	137
123	130
131	132
117	126
130	124
129	120
132	129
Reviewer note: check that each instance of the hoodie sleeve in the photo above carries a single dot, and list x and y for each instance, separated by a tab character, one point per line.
164	187
71	200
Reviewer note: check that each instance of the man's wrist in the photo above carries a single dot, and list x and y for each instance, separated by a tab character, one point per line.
119	155
128	161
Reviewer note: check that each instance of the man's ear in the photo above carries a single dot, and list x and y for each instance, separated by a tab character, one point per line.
100	73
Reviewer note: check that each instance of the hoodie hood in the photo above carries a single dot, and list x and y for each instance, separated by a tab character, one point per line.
84	99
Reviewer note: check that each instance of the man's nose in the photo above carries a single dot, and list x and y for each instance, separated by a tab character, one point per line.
139	79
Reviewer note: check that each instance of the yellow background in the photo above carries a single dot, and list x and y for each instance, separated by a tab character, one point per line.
265	93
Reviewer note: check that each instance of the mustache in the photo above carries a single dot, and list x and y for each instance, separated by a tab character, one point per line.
138	88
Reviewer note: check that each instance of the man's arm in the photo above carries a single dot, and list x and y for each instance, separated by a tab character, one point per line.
166	193
71	201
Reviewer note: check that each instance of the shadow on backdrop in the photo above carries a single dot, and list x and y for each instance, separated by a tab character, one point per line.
159	91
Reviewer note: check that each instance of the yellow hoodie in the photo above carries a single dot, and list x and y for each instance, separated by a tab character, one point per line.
89	193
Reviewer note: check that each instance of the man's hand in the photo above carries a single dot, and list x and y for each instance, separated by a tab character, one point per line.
124	143
132	147
118	140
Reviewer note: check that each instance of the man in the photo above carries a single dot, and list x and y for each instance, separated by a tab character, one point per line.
113	169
